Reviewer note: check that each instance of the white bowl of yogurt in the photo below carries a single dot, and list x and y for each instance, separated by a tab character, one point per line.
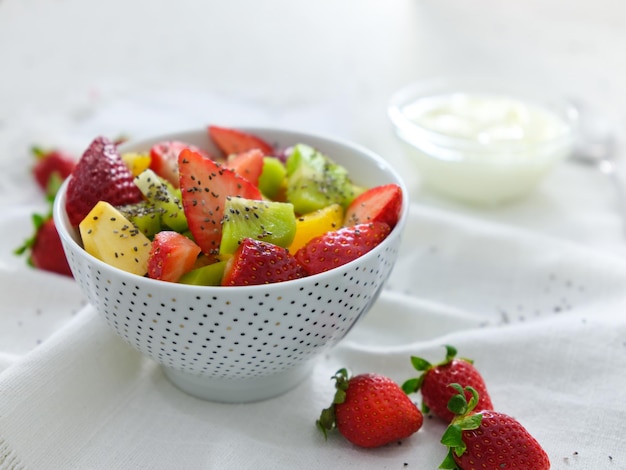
482	141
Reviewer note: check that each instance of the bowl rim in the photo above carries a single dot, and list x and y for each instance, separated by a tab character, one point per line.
63	225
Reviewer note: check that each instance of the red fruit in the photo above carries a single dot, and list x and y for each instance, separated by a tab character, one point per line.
204	185
488	440
341	246
378	204
171	256
248	164
370	410
164	159
258	262
232	141
436	379
51	169
100	175
45	248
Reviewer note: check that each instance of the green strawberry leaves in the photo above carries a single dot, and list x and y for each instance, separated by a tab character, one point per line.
327	421
38	221
465	420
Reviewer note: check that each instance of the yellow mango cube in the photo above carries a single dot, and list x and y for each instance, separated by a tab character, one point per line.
112	238
316	223
137	162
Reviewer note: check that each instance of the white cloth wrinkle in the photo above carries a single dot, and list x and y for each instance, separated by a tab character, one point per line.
87	385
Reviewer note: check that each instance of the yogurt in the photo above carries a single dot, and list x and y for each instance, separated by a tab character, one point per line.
481	147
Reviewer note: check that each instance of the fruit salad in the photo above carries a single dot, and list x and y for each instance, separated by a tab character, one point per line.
252	214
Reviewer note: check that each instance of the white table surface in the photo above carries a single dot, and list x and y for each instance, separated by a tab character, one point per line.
68	66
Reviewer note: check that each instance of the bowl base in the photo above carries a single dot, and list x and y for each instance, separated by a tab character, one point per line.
238	390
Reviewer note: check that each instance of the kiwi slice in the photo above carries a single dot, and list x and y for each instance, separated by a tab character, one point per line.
209	275
165	197
269	221
314	181
144	215
272	177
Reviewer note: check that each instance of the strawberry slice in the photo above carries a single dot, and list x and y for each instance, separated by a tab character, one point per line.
164	159
248	164
378	204
339	247
205	185
258	262
232	141
171	256
100	175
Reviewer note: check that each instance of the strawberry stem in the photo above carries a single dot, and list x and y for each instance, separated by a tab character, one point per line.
465	420
327	419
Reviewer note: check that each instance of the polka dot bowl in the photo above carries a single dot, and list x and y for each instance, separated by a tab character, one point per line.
240	344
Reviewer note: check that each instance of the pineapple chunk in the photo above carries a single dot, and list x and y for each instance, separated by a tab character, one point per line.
137	162
112	238
315	224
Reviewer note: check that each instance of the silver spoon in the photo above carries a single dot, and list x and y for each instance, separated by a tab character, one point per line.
597	147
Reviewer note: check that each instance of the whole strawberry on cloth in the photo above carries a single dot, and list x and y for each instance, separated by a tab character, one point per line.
370	410
435	380
44	248
51	168
488	440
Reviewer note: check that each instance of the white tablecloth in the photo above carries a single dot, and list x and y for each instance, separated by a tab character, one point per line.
533	291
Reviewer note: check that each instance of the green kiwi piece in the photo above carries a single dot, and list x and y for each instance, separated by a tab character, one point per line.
209	275
164	196
314	181
272	177
269	221
145	215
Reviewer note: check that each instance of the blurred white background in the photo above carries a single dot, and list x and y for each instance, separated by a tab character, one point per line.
327	65
282	53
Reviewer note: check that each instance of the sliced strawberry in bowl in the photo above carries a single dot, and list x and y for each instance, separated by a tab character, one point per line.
231	141
257	262
205	185
171	256
164	158
248	164
336	248
378	204
100	175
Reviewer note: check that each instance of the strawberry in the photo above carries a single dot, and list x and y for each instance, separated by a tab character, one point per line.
370	410
487	439
248	164
435	380
205	185
232	141
100	175
378	204
338	247
51	169
258	262
164	159
171	256
45	248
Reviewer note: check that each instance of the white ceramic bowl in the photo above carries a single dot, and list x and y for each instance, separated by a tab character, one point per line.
240	344
479	140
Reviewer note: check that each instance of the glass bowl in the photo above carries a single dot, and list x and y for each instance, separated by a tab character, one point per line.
482	141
